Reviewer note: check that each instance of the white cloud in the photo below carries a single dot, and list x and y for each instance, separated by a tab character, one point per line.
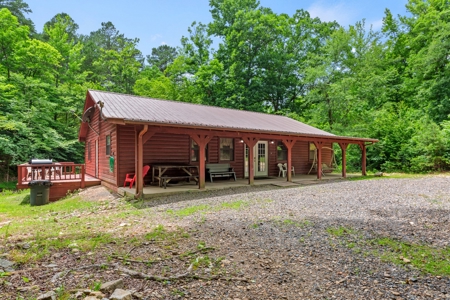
163	43
155	37
341	12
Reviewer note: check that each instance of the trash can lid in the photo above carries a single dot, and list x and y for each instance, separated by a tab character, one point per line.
40	183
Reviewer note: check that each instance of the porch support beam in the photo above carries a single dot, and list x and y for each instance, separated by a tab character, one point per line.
289	143
363	159
148	135
140	162
201	140
344	158
319	146
250	142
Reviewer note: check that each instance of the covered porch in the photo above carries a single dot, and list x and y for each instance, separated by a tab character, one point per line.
248	163
152	191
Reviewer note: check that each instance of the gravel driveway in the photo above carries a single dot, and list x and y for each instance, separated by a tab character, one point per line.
303	260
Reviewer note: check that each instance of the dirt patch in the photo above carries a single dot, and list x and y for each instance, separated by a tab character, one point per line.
97	193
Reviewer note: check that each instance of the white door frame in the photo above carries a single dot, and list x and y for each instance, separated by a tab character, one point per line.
260	159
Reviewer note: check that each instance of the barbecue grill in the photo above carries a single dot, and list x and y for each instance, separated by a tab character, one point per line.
35	161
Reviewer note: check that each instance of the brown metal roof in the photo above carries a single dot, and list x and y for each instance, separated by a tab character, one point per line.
132	109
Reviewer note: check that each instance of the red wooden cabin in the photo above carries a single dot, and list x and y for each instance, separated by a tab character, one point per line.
136	131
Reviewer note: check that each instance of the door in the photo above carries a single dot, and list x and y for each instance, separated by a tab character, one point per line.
260	160
96	158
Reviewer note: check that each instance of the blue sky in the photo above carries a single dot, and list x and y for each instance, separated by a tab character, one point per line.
157	22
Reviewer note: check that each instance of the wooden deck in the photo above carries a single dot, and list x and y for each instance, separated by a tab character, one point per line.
60	188
183	187
66	177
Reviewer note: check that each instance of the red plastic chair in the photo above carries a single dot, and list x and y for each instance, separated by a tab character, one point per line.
131	178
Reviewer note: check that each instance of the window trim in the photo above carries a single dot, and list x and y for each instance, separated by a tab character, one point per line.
285	150
108	146
309	151
89	148
234	150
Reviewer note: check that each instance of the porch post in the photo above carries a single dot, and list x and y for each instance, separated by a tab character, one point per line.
289	143
202	141
344	158
140	162
363	159
19	174
319	159
250	142
83	174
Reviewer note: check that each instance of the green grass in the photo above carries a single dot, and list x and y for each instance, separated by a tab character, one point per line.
340	231
425	258
12	205
290	222
8	185
191	210
187	211
53	226
160	233
236	205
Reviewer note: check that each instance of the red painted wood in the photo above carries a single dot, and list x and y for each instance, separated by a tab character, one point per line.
319	146
238	163
103	128
363	159
125	152
202	141
344	158
213	150
289	143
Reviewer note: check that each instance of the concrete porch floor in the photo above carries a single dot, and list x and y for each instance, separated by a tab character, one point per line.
219	183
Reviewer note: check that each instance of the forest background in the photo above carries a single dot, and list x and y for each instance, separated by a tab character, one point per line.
392	84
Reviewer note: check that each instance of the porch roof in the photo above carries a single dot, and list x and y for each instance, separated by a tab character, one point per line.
130	109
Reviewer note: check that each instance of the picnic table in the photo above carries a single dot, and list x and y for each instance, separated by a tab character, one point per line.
183	172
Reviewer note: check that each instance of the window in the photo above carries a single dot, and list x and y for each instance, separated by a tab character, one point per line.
226	149
195	153
108	145
312	151
89	151
281	151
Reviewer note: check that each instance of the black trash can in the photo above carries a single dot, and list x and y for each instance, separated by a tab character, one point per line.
39	192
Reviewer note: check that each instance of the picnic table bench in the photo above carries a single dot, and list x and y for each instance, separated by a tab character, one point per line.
164	180
183	173
220	170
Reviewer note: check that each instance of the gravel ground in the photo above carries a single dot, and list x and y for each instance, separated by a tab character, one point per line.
279	241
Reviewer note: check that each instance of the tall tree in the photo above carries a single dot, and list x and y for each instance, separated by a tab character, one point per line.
162	56
12	37
19	8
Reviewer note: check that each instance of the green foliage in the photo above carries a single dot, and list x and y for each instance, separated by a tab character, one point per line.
392	84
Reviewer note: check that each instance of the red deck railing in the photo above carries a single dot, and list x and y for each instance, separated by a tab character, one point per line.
63	171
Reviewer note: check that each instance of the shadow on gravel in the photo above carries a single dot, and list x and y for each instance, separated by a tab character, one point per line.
233	191
198	195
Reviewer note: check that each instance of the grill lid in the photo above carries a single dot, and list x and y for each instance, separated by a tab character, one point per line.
35	161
